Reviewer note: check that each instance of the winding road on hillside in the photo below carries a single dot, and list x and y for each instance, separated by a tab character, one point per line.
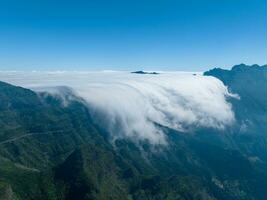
27	135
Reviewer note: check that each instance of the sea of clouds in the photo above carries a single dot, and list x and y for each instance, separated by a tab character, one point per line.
133	105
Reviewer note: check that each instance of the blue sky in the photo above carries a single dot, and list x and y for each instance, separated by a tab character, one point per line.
186	35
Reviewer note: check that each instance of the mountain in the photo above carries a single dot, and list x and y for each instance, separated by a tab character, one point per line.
250	83
51	148
142	72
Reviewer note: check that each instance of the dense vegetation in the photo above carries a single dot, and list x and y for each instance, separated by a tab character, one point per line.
55	151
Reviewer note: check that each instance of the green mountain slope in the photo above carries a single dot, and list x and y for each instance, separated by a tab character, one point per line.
53	150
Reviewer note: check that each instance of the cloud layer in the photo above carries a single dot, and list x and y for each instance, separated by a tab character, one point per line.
130	105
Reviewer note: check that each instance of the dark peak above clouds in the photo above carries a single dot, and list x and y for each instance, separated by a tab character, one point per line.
144	72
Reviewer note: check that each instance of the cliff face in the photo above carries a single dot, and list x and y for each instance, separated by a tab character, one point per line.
250	83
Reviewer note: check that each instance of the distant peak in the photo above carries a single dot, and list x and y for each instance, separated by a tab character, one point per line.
143	72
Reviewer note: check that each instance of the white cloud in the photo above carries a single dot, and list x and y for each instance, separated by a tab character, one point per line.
130	104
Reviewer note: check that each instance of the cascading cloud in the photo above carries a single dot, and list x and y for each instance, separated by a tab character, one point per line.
131	105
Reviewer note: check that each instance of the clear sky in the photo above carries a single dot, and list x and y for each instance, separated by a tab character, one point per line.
183	35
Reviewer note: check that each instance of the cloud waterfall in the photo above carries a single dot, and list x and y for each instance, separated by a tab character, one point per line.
130	105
